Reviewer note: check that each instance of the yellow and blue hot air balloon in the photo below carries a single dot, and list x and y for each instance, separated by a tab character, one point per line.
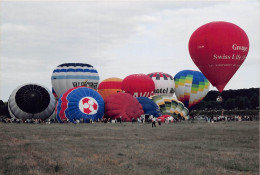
190	87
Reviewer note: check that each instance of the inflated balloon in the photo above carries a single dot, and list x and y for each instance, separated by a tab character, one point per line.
54	94
190	87
149	106
164	83
123	105
80	103
31	101
70	75
138	85
219	49
110	86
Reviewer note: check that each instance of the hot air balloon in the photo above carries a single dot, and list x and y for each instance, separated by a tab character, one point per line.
70	75
110	86
164	83
190	87
179	109
170	106
167	102
158	99
149	106
138	85
163	118
185	113
31	101
219	49
55	95
80	103
124	105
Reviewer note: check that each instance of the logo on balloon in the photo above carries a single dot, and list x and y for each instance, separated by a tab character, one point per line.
236	47
88	105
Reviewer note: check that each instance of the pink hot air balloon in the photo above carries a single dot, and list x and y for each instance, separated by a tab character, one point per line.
138	85
219	49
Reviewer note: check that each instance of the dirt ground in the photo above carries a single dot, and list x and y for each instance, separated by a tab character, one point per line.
126	148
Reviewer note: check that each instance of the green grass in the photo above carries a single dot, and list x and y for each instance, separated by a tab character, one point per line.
178	148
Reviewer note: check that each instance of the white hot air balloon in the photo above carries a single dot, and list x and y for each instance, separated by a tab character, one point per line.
164	83
70	75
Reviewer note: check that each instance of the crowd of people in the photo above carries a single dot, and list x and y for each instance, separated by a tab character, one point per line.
216	118
151	119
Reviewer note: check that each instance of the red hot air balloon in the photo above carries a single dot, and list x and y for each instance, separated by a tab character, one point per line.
138	85
109	86
124	105
218	49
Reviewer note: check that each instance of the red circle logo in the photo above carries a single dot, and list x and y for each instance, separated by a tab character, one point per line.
88	105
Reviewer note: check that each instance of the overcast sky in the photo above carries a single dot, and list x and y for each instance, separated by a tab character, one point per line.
118	38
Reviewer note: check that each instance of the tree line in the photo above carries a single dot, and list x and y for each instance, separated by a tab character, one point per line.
241	99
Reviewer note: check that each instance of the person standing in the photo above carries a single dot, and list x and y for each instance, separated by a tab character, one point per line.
153	123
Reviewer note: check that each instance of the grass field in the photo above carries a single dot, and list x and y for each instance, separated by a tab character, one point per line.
178	148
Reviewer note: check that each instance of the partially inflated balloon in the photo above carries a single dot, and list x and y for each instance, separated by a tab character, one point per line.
110	86
31	101
70	75
190	87
168	105
218	49
80	103
149	106
158	99
138	85
124	105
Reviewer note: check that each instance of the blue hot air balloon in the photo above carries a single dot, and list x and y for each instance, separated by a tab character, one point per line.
149	106
80	103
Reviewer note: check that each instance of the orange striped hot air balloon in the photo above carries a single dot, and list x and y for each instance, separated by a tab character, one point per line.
109	86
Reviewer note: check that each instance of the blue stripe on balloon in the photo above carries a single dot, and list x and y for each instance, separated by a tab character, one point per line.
75	64
75	70
74	77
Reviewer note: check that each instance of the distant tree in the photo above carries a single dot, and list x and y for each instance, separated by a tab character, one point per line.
201	105
254	100
243	102
4	109
229	104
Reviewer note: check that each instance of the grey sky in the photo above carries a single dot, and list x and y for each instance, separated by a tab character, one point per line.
118	38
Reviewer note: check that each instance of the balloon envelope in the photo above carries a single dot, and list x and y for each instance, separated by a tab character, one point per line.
149	106
218	49
31	101
138	85
191	87
80	103
169	105
124	105
70	75
110	86
164	83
